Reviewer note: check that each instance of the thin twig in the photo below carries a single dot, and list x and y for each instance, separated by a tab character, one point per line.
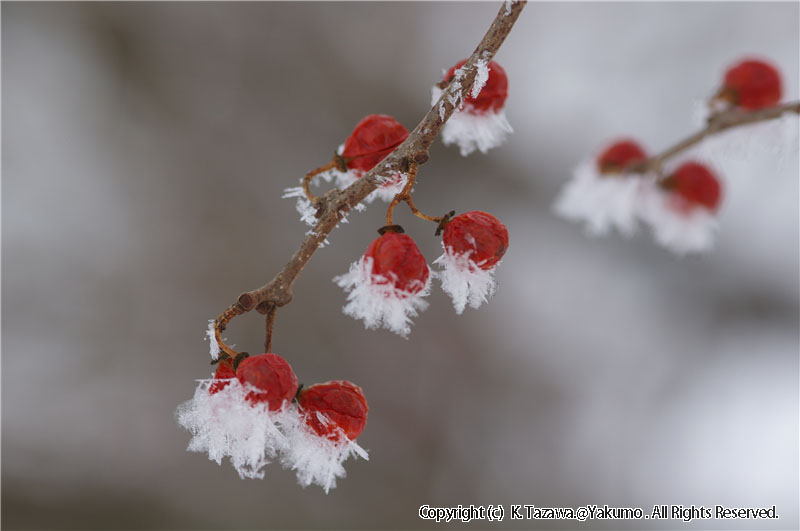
716	123
337	203
310	175
270	322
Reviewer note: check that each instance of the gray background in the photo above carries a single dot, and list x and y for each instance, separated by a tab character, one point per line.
145	148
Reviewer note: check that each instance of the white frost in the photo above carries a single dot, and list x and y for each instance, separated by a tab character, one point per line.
601	202
226	425
377	302
481	77
317	459
680	228
774	139
463	280
304	207
211	335
471	131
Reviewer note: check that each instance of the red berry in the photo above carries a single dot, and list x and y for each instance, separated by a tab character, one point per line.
397	258
224	371
271	374
480	234
343	404
493	94
752	84
696	185
619	156
373	138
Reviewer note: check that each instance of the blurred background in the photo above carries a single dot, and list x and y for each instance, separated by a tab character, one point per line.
145	149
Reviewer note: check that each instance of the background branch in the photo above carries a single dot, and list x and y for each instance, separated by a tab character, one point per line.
717	123
335	204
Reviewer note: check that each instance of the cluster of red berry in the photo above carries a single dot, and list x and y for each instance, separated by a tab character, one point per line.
333	409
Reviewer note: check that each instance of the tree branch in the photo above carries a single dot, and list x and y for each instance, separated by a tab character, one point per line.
335	204
717	123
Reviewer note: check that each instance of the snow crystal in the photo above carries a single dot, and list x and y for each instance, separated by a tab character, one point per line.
304	207
386	190
679	228
211	335
481	77
602	202
464	281
508	4
224	425
317	459
377	302
471	131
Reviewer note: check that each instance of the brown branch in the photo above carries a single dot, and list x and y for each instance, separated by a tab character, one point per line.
310	175
717	123
335	204
405	193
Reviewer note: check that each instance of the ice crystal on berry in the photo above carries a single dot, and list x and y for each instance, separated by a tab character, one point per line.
479	121
386	287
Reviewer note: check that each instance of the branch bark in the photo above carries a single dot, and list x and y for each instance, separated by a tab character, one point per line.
335	204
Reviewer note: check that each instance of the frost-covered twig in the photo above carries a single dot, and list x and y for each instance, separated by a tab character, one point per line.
335	204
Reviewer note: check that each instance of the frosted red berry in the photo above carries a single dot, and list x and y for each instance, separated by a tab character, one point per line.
373	138
224	372
341	403
397	259
272	376
493	94
752	84
478	233
619	156
696	185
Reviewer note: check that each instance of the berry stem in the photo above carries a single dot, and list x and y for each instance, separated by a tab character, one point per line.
717	123
336	203
405	193
308	178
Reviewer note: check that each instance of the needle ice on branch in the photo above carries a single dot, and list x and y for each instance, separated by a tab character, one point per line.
480	119
474	243
603	194
681	209
332	416
387	285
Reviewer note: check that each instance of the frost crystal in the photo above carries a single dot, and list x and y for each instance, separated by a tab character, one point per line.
481	77
464	281
601	202
377	302
225	424
680	228
773	139
304	207
211	335
471	131
317	459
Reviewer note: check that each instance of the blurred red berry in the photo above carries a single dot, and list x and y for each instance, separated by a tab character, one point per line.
373	138
224	372
480	234
342	403
619	156
696	185
493	94
397	258
271	374
752	84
